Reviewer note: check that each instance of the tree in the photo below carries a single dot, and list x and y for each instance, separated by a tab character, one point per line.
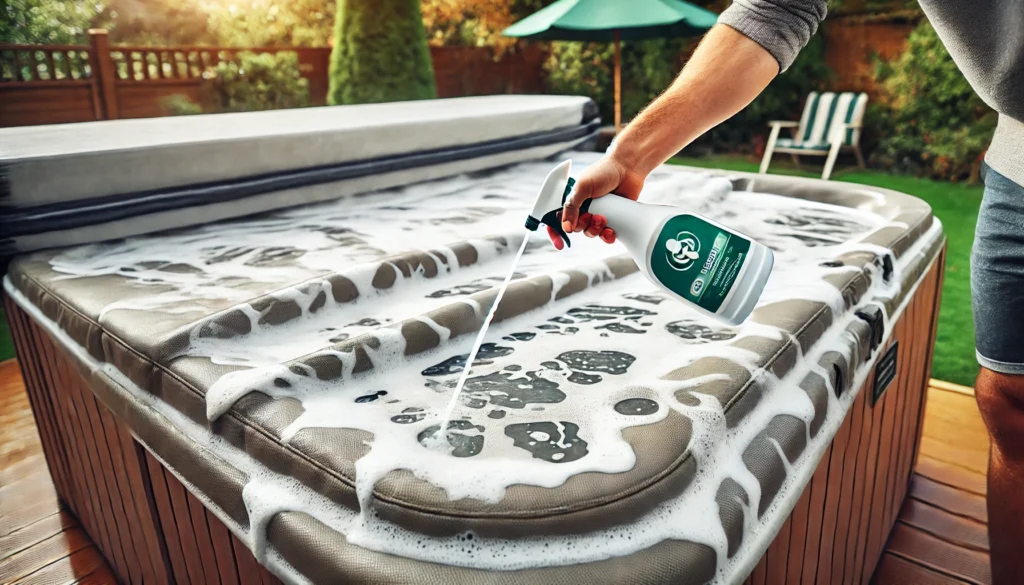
380	53
155	22
47	21
476	22
270	23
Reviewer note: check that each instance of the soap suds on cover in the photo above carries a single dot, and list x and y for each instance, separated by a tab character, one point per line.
557	373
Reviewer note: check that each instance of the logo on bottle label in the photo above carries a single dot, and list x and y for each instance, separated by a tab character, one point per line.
697	286
698	260
682	251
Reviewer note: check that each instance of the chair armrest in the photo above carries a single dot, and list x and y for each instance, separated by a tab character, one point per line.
784	123
842	134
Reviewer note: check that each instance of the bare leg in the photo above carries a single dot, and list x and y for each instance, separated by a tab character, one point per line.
1001	400
796	160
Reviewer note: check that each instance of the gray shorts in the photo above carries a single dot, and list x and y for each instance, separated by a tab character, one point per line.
997	276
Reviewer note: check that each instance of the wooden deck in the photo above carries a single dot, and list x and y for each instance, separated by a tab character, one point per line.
939	539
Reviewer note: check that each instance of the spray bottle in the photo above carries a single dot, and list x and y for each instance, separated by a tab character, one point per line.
716	270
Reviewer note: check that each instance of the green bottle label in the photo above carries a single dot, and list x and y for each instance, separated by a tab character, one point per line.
697	260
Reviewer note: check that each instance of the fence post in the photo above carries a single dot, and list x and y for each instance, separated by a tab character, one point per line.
103	73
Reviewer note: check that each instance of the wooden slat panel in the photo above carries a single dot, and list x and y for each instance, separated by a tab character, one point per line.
168	526
901	385
202	536
870	486
908	412
133	536
760	574
140	505
876	528
183	520
248	568
101	576
846	509
222	548
896	570
83	500
95	476
111	495
924	549
38	385
42	409
861	476
927	323
831	512
940	277
819	485
798	536
778	555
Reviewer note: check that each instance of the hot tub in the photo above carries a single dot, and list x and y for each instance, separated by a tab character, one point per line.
262	393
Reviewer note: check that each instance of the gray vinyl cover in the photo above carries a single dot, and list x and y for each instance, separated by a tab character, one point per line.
66	180
144	304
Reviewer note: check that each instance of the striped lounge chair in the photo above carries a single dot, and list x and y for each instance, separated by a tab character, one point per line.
830	122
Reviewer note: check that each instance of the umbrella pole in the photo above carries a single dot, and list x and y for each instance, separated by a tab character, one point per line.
618	85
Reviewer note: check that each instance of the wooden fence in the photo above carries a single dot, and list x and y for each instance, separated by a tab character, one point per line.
853	43
50	84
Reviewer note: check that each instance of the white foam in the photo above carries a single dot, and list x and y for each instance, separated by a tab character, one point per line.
427	209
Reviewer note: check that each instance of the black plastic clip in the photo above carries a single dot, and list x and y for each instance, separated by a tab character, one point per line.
875	319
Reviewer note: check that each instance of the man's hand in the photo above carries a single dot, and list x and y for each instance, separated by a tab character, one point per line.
608	175
726	72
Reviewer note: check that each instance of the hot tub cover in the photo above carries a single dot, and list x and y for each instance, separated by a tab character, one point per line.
76	183
290	367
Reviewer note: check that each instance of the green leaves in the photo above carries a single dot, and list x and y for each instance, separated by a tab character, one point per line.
930	121
380	53
47	21
267	81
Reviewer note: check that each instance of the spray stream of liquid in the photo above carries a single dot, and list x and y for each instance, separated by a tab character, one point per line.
443	432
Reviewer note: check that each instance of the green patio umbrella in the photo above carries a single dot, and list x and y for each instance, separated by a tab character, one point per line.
613	20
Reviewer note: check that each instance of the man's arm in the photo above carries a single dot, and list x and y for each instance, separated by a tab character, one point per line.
753	42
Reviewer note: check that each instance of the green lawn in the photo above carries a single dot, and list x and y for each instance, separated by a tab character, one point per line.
956	205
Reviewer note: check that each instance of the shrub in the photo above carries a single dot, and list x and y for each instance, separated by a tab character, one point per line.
180	105
649	67
259	81
929	122
380	53
251	82
583	69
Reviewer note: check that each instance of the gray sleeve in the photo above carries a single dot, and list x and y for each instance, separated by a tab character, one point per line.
782	27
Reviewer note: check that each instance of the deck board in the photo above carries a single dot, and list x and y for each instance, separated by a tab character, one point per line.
940	536
41	543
